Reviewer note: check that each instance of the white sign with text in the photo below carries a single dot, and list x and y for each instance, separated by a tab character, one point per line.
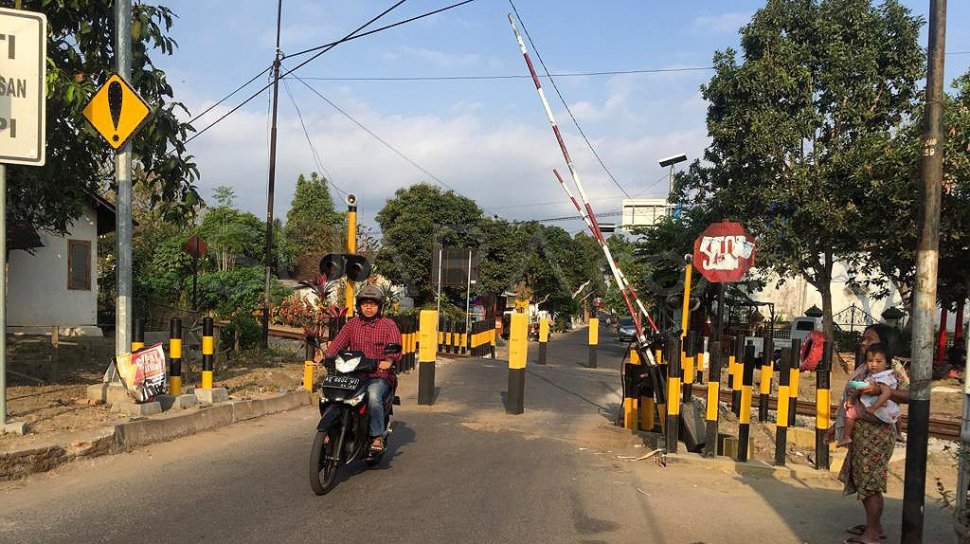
23	87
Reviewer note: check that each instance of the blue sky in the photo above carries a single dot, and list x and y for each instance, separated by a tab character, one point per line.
488	139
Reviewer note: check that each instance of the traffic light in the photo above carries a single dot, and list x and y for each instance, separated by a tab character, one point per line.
335	265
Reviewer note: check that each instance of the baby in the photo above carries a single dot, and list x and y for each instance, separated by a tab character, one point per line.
876	408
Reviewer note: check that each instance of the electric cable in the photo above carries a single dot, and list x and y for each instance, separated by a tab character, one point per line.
313	149
477	78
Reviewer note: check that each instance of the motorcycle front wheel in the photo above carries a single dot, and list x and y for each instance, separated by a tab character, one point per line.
324	460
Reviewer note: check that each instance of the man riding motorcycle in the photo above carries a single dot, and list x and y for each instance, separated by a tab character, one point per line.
369	332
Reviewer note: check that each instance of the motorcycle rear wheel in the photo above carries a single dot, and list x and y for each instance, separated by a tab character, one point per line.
323	462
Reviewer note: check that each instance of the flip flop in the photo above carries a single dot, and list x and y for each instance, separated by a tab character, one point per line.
858	530
854	540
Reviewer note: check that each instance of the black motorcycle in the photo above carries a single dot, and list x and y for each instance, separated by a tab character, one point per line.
342	434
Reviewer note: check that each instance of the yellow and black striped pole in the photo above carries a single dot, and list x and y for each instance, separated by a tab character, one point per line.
543	339
351	250
138	335
518	351
631	390
737	370
426	357
308	368
594	339
823	408
713	397
744	418
662	400
764	385
690	356
673	394
208	353
795	372
781	419
175	356
648	405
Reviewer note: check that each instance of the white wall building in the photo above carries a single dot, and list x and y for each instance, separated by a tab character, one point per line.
55	283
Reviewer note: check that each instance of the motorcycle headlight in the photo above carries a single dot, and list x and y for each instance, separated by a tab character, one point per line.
346	366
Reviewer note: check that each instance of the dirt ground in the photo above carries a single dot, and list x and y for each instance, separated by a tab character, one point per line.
46	389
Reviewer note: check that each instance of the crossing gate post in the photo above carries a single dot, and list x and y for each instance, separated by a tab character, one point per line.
673	393
744	419
781	414
594	336
794	372
690	352
823	406
426	357
713	398
518	352
543	339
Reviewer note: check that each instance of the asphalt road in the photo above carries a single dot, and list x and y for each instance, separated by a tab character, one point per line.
458	471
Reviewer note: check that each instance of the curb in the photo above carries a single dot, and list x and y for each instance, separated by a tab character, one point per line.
756	468
126	436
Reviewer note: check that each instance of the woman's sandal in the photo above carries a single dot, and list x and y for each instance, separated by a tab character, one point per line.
858	530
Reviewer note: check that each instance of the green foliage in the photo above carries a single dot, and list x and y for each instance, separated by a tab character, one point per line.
233	237
313	226
822	85
411	222
237	291
246	329
80	49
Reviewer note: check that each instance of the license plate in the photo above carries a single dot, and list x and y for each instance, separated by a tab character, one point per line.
341	382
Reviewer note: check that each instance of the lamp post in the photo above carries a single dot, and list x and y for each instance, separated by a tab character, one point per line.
671	161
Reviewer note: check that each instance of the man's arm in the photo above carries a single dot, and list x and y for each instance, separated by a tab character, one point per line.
340	342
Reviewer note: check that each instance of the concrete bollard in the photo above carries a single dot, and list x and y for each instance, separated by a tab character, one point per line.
648	406
428	336
713	399
631	390
662	399
689	358
308	365
175	356
781	419
594	338
518	352
794	373
543	339
764	385
208	352
737	370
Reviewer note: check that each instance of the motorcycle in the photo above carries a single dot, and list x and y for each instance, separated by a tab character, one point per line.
342	434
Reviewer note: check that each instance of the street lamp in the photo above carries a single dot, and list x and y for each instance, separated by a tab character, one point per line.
671	161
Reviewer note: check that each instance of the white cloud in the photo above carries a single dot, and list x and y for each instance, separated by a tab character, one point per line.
725	22
437	58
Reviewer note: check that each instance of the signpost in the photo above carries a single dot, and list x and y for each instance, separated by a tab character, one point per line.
23	87
723	253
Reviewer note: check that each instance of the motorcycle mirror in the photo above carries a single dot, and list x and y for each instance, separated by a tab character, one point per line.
358	269
332	265
392	349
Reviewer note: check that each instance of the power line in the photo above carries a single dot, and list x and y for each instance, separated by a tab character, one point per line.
566	105
326	48
576	217
241	87
477	78
313	149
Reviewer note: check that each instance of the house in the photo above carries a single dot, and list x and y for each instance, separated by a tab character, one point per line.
52	279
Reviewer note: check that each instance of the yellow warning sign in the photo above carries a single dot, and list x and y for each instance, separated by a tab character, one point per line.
116	111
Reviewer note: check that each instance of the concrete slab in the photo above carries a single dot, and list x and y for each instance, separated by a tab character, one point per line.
17	427
212	396
177	402
108	393
130	408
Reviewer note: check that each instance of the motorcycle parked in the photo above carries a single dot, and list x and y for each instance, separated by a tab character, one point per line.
342	433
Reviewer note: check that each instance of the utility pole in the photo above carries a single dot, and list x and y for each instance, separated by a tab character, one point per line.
927	261
123	197
272	180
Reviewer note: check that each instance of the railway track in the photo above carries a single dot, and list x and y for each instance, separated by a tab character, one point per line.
942	427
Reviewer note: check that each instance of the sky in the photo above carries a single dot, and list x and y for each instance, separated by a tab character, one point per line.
468	119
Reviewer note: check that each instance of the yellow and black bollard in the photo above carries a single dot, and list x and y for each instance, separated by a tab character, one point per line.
175	357
648	405
308	368
673	394
208	354
764	385
426	356
744	418
794	372
631	390
689	356
823	408
662	400
713	398
543	339
518	351
138	335
781	419
594	339
737	370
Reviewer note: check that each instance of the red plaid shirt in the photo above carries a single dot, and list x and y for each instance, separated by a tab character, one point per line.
369	336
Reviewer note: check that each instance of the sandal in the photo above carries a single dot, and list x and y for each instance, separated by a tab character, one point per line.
377	446
858	530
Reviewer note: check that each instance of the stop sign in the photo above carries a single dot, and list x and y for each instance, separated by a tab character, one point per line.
724	252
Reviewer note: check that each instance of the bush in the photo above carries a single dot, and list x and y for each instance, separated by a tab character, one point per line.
236	292
246	328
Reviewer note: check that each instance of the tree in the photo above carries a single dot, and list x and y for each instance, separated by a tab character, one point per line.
414	219
80	49
313	226
821	85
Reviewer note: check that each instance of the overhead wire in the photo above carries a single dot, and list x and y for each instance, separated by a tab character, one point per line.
324	50
565	104
316	155
228	96
519	76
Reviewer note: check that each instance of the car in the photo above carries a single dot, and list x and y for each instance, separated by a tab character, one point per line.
626	331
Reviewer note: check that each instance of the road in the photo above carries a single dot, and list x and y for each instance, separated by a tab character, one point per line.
458	471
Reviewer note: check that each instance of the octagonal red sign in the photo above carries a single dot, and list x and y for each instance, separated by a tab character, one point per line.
724	252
